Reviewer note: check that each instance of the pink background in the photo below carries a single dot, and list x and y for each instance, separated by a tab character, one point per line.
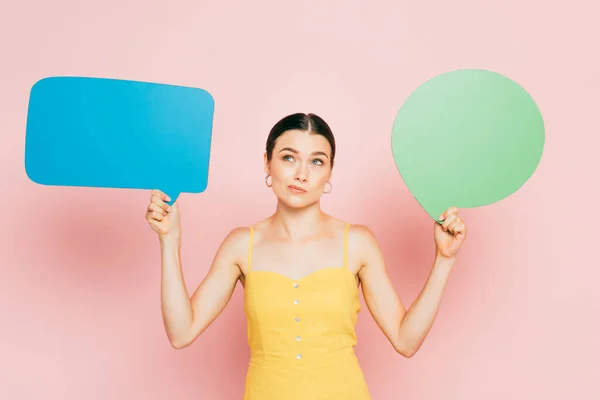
79	277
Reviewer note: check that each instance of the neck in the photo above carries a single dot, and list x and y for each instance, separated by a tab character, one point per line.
297	223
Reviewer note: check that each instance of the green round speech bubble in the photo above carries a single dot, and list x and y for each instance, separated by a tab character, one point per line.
466	138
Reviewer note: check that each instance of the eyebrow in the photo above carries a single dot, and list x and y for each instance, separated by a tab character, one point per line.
296	151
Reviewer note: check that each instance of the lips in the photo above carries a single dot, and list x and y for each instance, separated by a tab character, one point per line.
296	189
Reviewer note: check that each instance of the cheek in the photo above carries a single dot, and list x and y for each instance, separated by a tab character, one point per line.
320	176
281	171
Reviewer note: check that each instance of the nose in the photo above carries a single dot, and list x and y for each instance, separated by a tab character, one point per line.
301	173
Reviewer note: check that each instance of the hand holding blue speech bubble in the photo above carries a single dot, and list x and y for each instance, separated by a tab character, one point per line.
110	133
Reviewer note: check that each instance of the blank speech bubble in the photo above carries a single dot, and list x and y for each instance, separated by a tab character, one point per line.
110	133
467	138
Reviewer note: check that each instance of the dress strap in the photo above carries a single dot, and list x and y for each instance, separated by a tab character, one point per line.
250	247
346	245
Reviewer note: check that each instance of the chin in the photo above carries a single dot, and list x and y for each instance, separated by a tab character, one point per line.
297	202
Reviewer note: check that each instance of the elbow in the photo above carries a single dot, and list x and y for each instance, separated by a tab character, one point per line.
407	353
182	337
405	350
177	345
179	342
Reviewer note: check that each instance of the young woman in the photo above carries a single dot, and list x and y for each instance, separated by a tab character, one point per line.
301	270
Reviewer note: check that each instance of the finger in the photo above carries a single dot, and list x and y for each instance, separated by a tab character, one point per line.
452	227
446	214
447	221
459	224
160	203
460	229
452	210
156	215
449	211
154	207
155	224
161	195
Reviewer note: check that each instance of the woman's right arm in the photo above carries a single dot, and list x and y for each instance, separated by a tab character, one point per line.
186	318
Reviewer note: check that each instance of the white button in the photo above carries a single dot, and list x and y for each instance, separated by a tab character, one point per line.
295	285
299	356
297	338
296	302
297	319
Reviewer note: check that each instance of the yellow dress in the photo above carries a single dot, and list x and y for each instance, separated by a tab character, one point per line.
301	334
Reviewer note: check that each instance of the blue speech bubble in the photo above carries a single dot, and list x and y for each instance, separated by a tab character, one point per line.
110	133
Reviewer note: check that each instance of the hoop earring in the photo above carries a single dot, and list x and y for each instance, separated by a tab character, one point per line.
330	188
267	182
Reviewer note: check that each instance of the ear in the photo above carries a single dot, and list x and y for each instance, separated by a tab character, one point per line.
267	164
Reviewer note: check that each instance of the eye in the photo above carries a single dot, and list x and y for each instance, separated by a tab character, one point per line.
318	161
288	157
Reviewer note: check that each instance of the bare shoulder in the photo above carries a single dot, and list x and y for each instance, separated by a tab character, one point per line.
361	236
236	237
337	225
235	245
363	245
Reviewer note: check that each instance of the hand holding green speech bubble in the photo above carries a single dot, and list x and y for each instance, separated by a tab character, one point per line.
467	138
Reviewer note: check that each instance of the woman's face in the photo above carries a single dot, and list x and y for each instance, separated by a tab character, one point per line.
300	167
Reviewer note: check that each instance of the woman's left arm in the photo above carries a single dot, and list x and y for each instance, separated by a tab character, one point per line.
407	329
